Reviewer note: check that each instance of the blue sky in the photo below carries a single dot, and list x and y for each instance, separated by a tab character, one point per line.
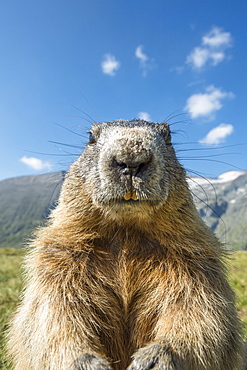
184	61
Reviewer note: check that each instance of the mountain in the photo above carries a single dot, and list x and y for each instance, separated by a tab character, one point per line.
222	203
25	203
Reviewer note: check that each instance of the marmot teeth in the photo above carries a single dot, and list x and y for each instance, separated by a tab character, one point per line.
127	196
132	195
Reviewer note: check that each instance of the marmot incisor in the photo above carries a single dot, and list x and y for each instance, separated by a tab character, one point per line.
126	274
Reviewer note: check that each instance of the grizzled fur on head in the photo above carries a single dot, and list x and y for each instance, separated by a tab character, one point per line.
127	166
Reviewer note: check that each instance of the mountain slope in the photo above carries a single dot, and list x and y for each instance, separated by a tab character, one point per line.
222	203
24	204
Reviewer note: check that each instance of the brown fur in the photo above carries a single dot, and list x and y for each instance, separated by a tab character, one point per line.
111	285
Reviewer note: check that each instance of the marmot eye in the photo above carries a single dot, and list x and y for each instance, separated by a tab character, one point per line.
92	139
167	134
168	139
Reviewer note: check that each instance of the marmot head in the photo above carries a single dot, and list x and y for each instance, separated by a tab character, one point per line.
129	167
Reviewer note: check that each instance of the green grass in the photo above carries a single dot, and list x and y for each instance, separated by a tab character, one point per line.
11	284
238	280
10	287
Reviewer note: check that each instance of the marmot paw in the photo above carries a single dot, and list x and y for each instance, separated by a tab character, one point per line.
155	356
90	361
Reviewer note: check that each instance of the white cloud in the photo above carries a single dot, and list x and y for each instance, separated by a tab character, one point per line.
218	134
144	116
198	57
217	57
110	65
206	104
140	55
146	62
35	163
212	49
217	38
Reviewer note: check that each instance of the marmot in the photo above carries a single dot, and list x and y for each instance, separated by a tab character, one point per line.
126	275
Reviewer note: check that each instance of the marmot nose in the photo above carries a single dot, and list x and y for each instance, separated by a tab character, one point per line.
132	168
